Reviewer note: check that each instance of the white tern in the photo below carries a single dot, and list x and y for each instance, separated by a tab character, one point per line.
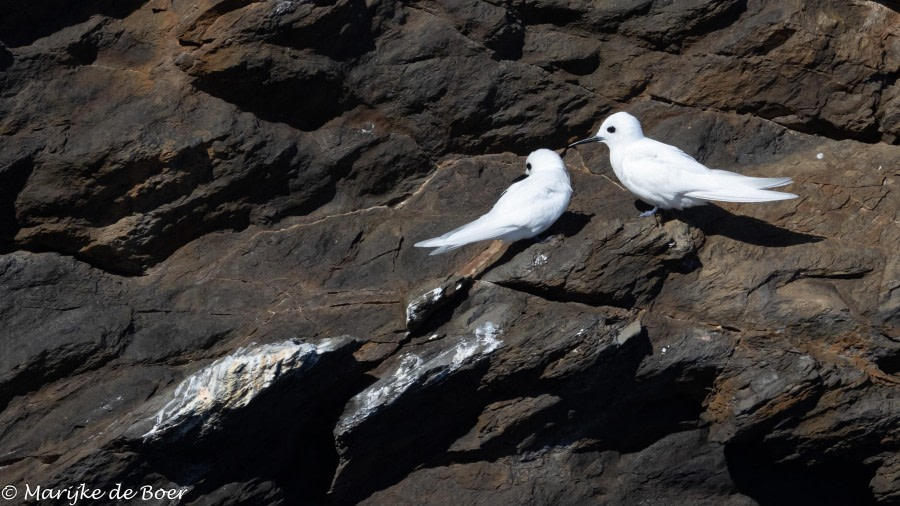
524	210
668	178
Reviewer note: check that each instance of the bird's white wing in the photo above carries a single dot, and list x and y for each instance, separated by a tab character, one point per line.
531	202
661	171
666	173
671	155
527	204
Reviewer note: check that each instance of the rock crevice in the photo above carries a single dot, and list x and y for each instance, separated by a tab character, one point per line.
207	278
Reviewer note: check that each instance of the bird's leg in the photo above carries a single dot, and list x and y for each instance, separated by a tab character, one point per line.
649	213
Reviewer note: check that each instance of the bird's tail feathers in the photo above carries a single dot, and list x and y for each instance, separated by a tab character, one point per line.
438	243
435	241
444	249
478	230
428	243
740	194
761	183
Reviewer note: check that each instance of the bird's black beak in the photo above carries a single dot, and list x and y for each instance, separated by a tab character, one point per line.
585	141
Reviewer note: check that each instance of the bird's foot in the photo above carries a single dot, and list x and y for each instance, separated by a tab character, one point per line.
649	213
541	239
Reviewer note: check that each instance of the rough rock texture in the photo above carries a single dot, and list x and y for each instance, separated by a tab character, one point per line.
207	279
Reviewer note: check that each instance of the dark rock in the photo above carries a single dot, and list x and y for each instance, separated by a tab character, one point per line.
201	202
60	318
884	484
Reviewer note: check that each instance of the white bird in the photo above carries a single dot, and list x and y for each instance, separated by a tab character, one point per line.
669	178
524	210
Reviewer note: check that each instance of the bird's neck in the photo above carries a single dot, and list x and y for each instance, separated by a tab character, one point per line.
555	175
617	154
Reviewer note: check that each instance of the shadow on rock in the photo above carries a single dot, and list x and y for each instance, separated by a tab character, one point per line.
588	405
713	220
6	58
447	412
24	22
280	432
12	180
769	481
570	224
567	407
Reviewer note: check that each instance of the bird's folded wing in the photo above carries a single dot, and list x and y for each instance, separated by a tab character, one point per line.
668	172
666	153
662	174
530	204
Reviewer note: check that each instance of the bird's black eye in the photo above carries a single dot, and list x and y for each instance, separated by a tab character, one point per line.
528	166
611	130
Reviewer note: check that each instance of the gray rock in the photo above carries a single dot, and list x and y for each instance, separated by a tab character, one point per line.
179	180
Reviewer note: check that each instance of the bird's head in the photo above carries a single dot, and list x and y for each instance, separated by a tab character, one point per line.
618	128
543	160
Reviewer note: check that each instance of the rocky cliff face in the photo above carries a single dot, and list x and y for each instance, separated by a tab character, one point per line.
207	280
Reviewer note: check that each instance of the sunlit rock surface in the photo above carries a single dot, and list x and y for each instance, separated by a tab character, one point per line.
207	279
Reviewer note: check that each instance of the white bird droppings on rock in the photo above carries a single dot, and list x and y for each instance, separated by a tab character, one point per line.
488	330
485	342
428	298
384	392
232	382
283	7
413	371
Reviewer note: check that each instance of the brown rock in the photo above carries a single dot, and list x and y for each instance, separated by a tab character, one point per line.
207	212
